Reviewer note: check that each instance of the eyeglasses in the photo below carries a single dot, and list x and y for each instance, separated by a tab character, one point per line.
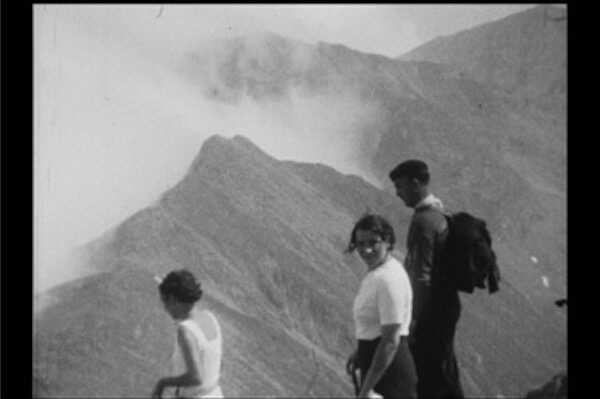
368	244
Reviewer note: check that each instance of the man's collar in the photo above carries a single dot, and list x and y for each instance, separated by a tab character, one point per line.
424	202
429	200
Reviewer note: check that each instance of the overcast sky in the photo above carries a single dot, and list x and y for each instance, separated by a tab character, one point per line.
385	29
114	129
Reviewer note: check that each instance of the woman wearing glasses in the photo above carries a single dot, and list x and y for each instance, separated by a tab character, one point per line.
382	313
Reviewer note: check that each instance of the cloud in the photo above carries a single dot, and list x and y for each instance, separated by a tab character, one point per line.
115	125
114	129
365	28
167	29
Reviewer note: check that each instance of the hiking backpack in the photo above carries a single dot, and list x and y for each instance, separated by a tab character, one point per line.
468	256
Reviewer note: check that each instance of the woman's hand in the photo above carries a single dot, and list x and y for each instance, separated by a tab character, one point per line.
369	395
158	390
350	364
383	357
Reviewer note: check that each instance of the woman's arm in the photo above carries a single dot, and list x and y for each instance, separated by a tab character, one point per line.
384	354
190	376
351	370
351	363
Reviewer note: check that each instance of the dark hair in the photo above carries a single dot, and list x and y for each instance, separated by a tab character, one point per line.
413	169
182	285
376	224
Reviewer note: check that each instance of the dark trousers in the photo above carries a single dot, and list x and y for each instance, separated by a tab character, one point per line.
400	378
432	347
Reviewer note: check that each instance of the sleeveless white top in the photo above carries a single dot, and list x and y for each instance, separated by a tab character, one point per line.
209	347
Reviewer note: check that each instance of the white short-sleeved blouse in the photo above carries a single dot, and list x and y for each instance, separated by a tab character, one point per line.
384	297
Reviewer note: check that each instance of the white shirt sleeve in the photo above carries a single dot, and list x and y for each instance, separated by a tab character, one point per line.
393	303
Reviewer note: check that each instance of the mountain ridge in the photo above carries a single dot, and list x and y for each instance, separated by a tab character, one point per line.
277	286
267	236
523	55
168	236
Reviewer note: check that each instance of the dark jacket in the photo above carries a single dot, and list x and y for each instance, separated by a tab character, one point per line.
436	307
426	237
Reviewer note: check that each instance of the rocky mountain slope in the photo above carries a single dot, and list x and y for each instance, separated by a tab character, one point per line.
489	153
523	55
268	245
266	238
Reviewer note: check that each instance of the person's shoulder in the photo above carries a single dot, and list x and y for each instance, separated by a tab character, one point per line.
186	325
429	212
208	322
212	317
394	263
430	217
393	270
185	328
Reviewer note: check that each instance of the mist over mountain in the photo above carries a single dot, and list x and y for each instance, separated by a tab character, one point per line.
490	154
266	238
267	242
263	218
